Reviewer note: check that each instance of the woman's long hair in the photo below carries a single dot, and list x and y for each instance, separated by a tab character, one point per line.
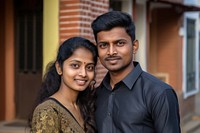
51	81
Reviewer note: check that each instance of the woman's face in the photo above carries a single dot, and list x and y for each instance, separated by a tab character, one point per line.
78	70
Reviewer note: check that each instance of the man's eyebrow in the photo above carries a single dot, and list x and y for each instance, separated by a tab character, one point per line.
102	42
119	40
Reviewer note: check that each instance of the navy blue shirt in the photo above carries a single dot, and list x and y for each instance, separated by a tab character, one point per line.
140	103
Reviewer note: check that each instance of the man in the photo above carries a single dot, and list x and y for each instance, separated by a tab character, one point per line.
129	100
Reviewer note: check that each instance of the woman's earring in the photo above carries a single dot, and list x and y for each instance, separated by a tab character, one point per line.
59	73
92	83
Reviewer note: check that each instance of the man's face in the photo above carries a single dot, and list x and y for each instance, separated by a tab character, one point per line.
115	49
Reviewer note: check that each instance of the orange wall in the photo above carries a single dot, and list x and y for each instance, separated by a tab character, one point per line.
166	46
2	60
169	46
9	61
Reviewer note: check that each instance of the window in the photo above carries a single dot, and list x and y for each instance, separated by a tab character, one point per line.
191	52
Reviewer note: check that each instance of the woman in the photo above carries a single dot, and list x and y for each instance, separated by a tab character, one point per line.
66	100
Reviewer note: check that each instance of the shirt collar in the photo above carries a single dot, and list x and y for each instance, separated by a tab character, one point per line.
129	80
106	81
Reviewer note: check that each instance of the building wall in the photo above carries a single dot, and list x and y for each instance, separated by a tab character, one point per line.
166	50
50	30
141	31
170	50
9	61
169	47
75	17
2	60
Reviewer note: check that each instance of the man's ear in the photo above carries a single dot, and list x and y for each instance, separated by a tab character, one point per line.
58	68
135	46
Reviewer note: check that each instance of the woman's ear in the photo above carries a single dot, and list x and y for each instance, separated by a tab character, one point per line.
135	46
58	68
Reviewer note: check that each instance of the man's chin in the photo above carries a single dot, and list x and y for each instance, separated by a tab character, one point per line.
113	69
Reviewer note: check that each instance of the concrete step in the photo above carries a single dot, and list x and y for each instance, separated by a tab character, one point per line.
16	126
197	131
192	125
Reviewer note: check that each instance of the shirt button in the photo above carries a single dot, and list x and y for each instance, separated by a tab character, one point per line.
109	114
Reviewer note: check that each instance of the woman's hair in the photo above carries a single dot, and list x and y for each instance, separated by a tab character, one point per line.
51	80
111	20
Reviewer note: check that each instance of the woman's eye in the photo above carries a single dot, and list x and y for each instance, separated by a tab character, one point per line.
75	65
90	67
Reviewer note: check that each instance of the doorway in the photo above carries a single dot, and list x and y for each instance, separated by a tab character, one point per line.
28	54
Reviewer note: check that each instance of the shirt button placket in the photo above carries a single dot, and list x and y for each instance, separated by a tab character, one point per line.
110	104
110	110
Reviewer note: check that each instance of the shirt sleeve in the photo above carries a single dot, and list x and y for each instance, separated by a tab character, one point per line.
45	121
166	113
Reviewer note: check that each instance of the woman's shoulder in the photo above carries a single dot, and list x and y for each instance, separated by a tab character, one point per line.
47	105
45	117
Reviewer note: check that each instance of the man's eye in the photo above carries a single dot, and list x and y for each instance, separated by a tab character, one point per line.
103	45
75	65
121	43
90	68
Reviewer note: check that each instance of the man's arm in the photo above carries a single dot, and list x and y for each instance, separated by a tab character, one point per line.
165	113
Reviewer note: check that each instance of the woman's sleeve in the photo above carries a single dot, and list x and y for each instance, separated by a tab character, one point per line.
45	121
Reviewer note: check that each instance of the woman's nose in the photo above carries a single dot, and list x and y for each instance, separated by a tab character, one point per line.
82	72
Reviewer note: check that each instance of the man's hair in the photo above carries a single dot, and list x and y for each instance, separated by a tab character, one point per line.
114	19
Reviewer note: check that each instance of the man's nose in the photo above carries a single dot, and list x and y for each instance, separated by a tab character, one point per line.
111	50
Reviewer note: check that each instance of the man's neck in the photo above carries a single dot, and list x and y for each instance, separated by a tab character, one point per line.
116	77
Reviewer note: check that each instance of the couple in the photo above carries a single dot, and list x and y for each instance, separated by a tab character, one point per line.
128	100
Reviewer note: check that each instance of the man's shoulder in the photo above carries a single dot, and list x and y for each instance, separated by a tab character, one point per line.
155	89
154	86
152	79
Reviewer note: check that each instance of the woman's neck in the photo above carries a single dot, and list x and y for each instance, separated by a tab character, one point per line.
66	96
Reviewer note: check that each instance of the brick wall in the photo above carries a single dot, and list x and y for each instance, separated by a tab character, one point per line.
75	17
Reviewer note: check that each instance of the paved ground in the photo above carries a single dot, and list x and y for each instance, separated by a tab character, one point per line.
193	125
17	126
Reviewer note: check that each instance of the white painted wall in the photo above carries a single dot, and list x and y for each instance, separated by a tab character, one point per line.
140	24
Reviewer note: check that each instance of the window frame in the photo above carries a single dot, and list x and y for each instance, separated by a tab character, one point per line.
193	16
